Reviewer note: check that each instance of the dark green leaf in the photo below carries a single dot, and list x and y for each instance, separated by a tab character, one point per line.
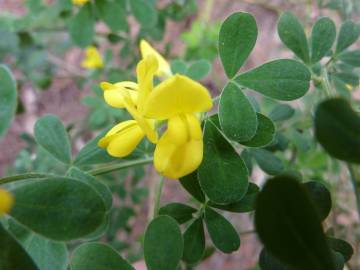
199	69
322	38
8	98
81	26
194	242
12	255
337	128
342	247
51	135
292	34
223	175
268	262
264	134
289	226
321	197
191	184
351	58
339	260
178	211
163	244
237	38
267	161
112	12
237	116
144	12
349	33
281	112
96	256
222	233
58	208
246	204
281	79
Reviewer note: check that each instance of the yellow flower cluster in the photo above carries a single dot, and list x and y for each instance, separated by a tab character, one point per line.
6	201
177	99
79	2
92	58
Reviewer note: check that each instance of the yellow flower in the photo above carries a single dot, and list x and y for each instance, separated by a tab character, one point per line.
92	58
180	149
6	201
164	69
123	138
79	2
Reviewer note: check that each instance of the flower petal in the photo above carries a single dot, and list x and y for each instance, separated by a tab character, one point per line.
164	67
6	201
92	58
177	95
114	93
183	128
122	139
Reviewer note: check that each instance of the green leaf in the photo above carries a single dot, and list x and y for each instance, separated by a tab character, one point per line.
349	33
264	134
337	128
47	254
322	38
178	66
281	112
58	208
237	38
268	262
281	79
191	183
246	204
95	256
222	174
51	135
351	58
292	34
222	233
144	12
81	26
8	99
12	255
342	247
112	12
199	69
91	153
267	161
102	189
178	211
321	197
194	242
237	116
163	244
289	226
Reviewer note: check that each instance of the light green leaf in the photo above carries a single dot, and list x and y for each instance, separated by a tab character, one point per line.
199	69
281	79
223	175
96	256
58	208
112	12
8	98
292	34
237	38
264	134
51	135
322	38
163	244
144	12
81	26
237	116
351	58
349	33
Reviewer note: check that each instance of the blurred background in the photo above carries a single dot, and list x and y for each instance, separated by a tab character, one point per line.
35	43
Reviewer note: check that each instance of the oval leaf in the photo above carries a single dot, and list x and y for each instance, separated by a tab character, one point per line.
237	38
112	13
281	112
342	247
223	175
51	135
95	256
292	34
321	197
322	38
351	58
267	161
264	134
58	208
222	233
282	79
191	183
237	116
349	33
289	226
8	98
178	211
337	128
163	244
144	12
194	242
199	69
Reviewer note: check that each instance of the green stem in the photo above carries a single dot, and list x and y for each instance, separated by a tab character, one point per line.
158	196
120	166
24	176
355	179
